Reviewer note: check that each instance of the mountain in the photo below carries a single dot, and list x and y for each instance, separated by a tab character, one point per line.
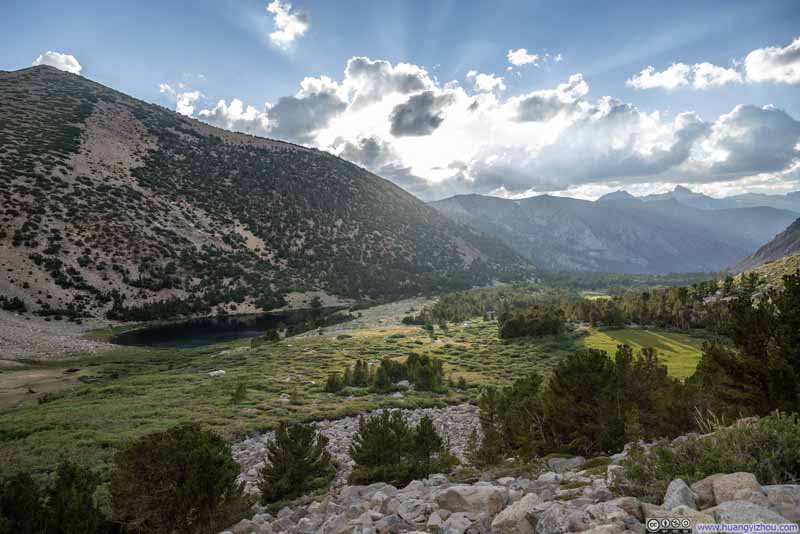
620	234
111	204
687	197
785	244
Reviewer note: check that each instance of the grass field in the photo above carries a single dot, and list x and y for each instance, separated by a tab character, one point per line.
680	352
96	403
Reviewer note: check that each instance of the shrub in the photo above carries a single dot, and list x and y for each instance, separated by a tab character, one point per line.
182	480
239	392
770	449
297	462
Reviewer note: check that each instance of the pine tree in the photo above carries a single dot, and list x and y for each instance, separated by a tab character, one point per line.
430	451
297	462
381	449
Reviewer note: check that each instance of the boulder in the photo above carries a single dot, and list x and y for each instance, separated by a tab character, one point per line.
737	486
745	512
458	523
614	473
465	498
414	510
785	500
216	374
704	491
679	494
631	505
550	477
605	529
245	526
393	524
553	520
562	465
515	519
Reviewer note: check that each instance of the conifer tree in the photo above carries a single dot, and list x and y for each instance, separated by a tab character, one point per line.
297	462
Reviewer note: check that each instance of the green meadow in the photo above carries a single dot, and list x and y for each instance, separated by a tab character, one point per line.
680	352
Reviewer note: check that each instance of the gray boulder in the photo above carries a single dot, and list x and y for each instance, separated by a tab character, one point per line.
517	518
553	519
785	499
679	494
562	465
465	498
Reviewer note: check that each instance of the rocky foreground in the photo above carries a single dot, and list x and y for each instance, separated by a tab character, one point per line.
573	496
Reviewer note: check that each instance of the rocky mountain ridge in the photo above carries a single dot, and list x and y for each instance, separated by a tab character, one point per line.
110	205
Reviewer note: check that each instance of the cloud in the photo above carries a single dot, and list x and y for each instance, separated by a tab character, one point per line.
774	64
295	118
65	62
520	57
543	105
420	115
748	140
486	82
700	76
289	25
675	76
707	75
369	81
237	117
184	101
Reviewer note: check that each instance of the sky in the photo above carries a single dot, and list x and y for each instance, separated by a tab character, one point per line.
451	97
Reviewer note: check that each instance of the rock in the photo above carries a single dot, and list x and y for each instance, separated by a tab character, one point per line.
745	512
631	505
605	529
404	384
550	477
245	526
736	486
335	524
215	374
785	500
553	520
464	498
562	465
414	510
393	524
515	518
679	494
435	521
704	491
457	523
613	474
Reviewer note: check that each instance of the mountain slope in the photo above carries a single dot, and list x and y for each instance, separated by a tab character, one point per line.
110	203
620	233
785	244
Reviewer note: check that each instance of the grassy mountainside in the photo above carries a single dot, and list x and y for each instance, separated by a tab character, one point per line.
785	244
621	233
112	205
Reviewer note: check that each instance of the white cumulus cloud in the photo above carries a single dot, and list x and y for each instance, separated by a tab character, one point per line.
486	82
677	75
774	64
289	24
521	56
184	100
60	61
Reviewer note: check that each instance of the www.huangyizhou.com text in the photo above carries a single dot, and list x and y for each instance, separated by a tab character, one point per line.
747	528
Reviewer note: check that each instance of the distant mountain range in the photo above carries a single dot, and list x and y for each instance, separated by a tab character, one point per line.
687	197
785	244
112	205
622	233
